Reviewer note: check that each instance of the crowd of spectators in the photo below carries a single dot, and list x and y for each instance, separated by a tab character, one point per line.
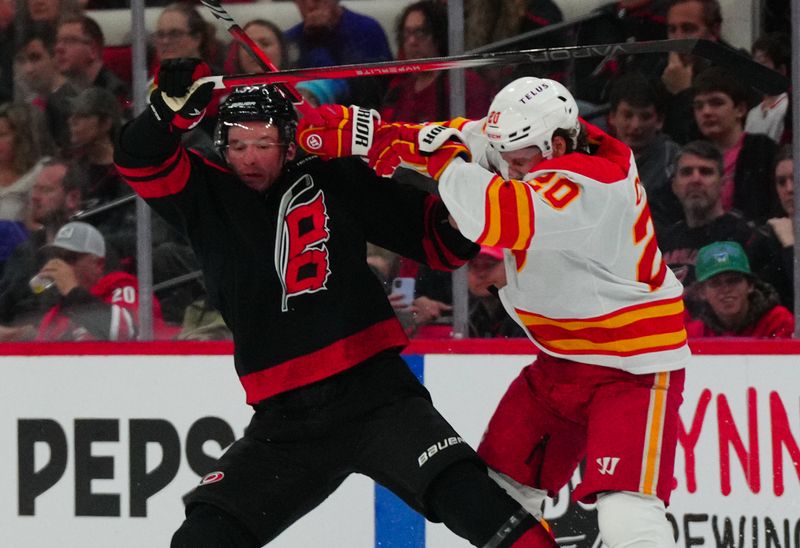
713	154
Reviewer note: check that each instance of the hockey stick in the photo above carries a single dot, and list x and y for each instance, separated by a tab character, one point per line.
254	51
766	80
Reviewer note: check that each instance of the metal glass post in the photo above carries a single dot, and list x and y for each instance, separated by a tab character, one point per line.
144	258
796	156
455	44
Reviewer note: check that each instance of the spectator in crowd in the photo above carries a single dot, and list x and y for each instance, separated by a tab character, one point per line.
79	57
698	185
107	4
425	96
12	234
331	34
55	197
487	317
182	32
385	264
687	19
19	151
720	105
202	322
44	86
783	226
43	15
736	302
269	38
7	45
322	92
93	304
617	22
421	31
637	116
487	21
769	117
94	122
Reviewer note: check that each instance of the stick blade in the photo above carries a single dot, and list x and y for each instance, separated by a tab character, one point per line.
755	74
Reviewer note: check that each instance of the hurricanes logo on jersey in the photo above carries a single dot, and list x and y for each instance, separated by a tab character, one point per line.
301	256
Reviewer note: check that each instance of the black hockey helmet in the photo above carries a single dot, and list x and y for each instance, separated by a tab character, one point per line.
264	102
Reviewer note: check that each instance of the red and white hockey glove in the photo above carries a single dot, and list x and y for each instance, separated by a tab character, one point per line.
179	100
334	131
428	149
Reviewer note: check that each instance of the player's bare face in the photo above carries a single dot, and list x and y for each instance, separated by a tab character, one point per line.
697	184
784	185
728	295
256	155
521	161
636	126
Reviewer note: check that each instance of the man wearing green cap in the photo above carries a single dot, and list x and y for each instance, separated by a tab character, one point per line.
736	302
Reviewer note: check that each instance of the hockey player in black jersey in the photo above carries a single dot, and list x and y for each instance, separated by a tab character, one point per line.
282	243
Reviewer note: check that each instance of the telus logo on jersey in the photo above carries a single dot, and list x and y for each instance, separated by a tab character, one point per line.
301	256
439	446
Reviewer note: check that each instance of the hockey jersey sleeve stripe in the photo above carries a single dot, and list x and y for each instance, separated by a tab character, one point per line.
149	172
170	181
325	362
509	215
654	433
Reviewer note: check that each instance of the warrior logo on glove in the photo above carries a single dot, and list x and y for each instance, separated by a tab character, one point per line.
334	131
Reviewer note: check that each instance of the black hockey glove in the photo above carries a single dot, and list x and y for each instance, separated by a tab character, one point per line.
179	100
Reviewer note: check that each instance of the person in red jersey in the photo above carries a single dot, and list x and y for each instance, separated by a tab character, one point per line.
94	305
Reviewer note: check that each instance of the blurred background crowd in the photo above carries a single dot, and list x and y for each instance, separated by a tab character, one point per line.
713	153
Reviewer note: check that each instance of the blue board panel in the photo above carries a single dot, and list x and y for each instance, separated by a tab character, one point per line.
397	525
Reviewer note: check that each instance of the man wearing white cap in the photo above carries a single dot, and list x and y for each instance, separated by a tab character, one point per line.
93	305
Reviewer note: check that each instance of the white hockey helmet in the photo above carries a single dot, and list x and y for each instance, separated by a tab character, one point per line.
526	113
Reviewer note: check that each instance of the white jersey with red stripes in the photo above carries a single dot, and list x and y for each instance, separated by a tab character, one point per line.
585	276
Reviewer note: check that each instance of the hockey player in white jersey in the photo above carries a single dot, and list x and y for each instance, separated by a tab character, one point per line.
584	277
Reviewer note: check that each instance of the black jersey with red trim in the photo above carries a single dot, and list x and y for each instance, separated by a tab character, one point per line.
287	269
